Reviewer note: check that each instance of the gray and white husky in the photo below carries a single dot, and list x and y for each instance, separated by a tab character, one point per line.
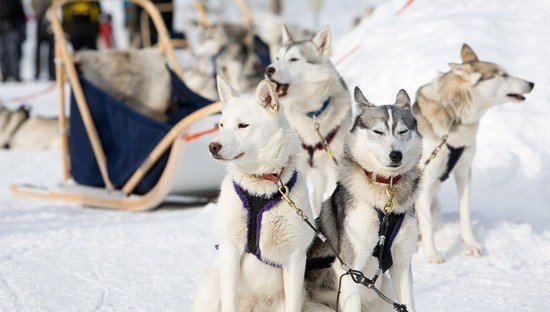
229	50
310	90
452	105
262	241
382	148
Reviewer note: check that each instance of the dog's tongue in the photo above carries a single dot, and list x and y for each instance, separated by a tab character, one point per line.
280	89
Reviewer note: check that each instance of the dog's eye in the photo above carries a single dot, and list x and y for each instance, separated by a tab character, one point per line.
242	125
221	125
504	75
377	132
403	131
293	59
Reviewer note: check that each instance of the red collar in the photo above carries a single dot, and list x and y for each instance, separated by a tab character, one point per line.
273	177
382	180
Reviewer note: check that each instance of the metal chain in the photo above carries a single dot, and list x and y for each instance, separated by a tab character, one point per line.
323	140
356	275
438	148
388	207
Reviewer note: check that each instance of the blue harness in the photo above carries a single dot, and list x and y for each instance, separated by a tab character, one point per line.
255	207
320	110
389	227
213	59
454	157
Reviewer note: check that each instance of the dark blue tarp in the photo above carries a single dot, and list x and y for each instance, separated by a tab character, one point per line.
127	136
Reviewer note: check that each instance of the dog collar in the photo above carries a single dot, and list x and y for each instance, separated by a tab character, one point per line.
320	110
273	177
382	180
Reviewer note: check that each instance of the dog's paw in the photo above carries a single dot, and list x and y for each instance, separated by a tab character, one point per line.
472	249
435	259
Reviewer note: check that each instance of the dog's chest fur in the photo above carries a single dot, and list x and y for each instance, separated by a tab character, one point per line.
337	113
362	223
281	230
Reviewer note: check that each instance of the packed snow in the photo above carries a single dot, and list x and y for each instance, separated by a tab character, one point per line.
55	257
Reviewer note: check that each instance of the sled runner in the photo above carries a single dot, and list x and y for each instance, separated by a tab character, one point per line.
113	156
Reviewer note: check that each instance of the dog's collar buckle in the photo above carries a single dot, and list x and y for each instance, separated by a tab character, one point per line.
382	180
320	110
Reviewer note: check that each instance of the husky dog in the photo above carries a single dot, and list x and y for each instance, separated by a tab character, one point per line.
269	27
228	48
10	122
312	92
382	149
262	240
36	133
451	106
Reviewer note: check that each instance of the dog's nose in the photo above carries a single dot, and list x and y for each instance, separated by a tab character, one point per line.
214	147
396	156
269	71
531	85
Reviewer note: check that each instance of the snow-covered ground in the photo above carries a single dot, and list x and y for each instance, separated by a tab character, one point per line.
60	258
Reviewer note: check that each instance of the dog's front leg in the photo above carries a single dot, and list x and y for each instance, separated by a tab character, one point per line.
229	272
425	220
350	296
402	282
463	177
293	276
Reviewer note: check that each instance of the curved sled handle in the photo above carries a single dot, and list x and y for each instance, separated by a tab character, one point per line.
247	13
203	17
166	142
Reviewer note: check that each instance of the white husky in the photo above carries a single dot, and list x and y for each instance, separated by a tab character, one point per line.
312	92
448	111
262	241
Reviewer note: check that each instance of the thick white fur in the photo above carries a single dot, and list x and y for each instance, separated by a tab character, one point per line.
460	94
239	281
309	86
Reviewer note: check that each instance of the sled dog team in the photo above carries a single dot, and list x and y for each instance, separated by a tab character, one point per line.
382	166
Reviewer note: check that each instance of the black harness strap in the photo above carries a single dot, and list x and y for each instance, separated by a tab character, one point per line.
389	227
319	263
454	156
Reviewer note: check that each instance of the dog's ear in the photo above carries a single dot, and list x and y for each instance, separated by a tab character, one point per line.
266	96
466	71
322	41
403	100
361	100
286	35
467	54
225	91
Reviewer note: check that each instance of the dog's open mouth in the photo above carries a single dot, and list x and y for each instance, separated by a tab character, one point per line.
218	157
516	96
280	88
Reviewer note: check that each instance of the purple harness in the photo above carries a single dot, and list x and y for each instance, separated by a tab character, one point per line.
255	207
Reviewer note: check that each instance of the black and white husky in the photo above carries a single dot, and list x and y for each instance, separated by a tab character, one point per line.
311	91
382	149
451	107
262	241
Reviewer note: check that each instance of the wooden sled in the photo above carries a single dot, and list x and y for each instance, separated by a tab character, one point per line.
176	142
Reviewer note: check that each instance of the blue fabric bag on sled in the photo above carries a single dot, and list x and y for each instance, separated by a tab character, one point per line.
127	136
